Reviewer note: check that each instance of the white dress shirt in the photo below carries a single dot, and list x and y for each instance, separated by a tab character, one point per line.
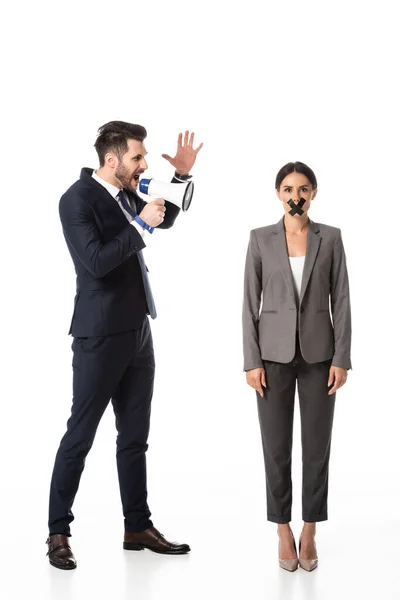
114	191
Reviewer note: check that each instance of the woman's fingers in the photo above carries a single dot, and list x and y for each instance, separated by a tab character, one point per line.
259	388
338	376
263	379
256	379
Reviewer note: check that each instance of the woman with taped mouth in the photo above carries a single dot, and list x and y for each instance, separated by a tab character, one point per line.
294	269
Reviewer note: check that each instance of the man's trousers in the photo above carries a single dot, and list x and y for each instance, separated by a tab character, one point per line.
121	368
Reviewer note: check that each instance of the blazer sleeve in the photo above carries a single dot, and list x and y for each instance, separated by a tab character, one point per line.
251	305
80	230
340	306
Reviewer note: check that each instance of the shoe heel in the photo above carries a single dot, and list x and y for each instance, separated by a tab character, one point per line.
133	546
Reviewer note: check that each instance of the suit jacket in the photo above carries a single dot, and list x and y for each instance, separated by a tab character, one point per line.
270	334
110	295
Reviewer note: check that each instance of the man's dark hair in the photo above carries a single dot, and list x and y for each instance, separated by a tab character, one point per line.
295	167
114	136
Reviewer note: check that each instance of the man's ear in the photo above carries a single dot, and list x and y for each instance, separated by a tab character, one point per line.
110	160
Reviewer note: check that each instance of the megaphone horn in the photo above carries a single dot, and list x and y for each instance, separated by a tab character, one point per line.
178	193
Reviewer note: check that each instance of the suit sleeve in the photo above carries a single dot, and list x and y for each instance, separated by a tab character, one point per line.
251	305
82	235
340	306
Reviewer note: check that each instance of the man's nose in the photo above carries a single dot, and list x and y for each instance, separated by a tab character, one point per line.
144	164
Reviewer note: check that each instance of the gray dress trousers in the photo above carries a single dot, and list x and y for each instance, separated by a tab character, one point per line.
275	411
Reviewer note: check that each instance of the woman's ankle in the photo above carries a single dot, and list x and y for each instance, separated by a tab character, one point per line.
284	529
309	529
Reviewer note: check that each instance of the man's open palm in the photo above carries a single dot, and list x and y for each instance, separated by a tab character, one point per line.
186	155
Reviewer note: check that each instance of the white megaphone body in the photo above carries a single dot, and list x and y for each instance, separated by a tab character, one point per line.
178	193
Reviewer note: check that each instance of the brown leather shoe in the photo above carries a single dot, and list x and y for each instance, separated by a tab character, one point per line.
153	540
60	553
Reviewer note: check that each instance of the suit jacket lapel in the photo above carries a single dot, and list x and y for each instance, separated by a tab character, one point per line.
313	243
101	192
282	254
281	251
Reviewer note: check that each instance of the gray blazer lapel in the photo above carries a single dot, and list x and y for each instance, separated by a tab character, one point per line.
313	243
281	251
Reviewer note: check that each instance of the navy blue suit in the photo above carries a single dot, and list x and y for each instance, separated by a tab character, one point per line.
113	354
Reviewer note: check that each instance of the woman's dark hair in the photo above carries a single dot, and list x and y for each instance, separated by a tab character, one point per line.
295	167
114	136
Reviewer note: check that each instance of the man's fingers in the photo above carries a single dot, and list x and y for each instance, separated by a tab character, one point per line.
199	147
167	157
179	141
159	201
260	390
186	137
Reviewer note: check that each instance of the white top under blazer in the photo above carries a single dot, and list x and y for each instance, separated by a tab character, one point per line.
297	266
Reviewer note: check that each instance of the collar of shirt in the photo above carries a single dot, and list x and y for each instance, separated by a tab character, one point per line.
111	189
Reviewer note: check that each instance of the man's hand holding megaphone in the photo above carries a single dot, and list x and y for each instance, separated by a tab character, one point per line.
154	212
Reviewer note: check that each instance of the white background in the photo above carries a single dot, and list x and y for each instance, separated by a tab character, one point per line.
261	84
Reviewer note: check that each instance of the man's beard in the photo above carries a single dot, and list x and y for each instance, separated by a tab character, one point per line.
124	177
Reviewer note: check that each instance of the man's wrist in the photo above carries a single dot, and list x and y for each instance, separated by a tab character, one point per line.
144	224
182	176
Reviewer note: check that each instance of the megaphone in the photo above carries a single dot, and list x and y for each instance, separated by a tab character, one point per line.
178	193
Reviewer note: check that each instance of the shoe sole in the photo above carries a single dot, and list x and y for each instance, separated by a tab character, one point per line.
308	570
290	570
65	568
132	546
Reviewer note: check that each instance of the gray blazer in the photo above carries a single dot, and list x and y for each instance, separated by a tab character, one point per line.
270	334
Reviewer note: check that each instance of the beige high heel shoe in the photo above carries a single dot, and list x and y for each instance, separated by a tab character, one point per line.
308	564
289	564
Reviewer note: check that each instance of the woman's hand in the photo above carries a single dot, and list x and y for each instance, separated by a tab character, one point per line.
338	375
256	379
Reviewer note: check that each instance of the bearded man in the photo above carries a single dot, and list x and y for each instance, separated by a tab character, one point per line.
104	223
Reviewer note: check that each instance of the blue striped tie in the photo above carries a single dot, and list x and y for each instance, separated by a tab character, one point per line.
147	289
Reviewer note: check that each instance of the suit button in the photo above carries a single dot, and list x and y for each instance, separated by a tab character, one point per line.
136	248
